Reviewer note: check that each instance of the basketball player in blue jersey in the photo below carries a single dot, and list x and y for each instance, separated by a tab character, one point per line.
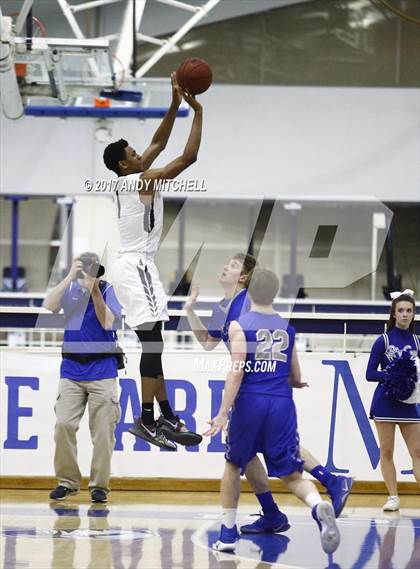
134	274
235	279
263	419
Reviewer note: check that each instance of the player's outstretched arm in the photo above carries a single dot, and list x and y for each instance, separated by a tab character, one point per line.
161	136
207	341
233	379
189	156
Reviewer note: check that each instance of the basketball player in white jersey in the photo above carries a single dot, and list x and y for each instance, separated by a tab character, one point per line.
134	274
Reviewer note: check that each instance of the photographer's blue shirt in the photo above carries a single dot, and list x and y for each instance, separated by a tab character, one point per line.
84	334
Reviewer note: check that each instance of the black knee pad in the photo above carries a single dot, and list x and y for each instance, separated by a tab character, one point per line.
151	365
152	348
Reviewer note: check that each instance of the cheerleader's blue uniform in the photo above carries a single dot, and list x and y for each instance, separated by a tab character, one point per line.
386	347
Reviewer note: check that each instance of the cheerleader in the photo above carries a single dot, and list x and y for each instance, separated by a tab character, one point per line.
391	352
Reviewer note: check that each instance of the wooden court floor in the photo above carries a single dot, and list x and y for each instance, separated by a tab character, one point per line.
165	530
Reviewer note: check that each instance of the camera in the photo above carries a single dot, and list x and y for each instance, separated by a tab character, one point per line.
91	266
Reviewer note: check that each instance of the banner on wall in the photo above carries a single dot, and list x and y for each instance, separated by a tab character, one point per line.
332	416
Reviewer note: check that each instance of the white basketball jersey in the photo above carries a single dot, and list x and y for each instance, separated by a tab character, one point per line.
140	225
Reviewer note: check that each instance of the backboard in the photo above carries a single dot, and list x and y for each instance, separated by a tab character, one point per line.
43	76
76	78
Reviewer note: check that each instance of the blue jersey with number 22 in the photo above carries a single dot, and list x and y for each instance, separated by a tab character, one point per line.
270	342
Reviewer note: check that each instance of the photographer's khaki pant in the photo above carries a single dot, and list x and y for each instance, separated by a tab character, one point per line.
104	412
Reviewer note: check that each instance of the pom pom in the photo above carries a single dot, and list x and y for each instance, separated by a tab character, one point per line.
401	376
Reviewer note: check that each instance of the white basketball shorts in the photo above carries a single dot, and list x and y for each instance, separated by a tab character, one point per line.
139	289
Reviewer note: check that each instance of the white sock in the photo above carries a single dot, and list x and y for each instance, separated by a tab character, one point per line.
313	499
229	517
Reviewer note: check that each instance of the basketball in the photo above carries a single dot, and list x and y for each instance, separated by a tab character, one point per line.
194	75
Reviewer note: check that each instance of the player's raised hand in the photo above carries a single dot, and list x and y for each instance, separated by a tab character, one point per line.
192	299
219	423
176	90
192	101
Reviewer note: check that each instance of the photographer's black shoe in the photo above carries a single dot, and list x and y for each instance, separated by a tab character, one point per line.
98	496
152	434
62	492
175	430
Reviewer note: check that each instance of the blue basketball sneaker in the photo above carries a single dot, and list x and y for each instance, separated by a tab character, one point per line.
227	539
339	490
267	524
323	514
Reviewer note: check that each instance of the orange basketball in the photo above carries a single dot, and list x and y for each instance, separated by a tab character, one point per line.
194	75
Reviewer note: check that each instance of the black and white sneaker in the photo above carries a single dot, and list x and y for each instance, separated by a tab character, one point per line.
98	496
152	434
62	492
175	430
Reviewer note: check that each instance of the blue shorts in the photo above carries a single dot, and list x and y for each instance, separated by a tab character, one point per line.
265	424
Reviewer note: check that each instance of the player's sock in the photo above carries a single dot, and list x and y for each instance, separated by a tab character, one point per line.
166	409
323	475
229	517
313	499
268	505
147	414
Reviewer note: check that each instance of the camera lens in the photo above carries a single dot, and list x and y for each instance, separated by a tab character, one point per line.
94	269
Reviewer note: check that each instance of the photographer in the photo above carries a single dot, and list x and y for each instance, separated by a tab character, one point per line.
88	375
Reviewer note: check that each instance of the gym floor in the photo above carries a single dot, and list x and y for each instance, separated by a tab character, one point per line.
165	530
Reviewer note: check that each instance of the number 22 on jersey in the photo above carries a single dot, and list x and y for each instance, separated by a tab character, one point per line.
271	345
